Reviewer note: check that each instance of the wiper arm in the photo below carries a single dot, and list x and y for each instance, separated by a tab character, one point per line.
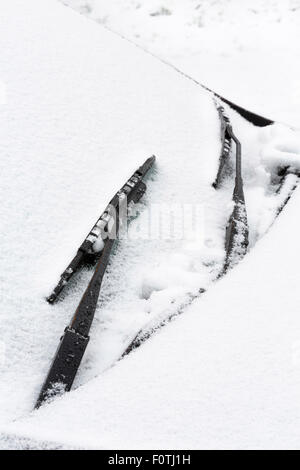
75	339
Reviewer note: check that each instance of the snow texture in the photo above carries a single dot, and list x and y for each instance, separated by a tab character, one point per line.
245	50
82	110
224	375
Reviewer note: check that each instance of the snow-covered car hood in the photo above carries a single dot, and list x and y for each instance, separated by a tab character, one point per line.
82	109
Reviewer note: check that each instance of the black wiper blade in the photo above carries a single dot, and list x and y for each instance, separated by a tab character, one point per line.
226	142
75	339
134	189
237	231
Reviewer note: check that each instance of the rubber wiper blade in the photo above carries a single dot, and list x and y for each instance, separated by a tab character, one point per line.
75	339
134	188
226	142
237	231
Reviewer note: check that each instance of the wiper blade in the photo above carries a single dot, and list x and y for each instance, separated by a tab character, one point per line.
75	339
237	231
133	189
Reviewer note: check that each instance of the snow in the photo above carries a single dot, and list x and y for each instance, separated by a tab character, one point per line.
77	124
224	375
82	109
245	50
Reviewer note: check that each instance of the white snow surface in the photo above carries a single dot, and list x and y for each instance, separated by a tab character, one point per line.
82	109
224	375
245	50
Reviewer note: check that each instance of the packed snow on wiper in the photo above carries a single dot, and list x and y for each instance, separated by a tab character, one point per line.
82	111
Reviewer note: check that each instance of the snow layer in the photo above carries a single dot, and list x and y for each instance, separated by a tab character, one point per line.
224	375
246	50
82	111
